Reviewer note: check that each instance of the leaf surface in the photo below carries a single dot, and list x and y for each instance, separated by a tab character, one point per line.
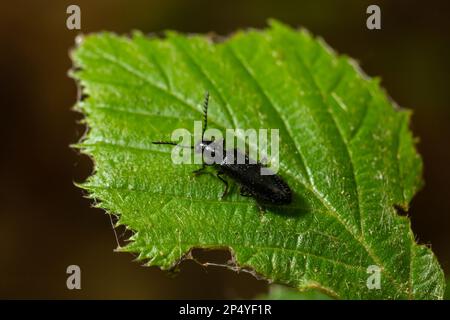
345	150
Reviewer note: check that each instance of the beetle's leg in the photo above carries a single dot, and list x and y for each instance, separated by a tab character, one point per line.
261	208
219	175
200	171
245	192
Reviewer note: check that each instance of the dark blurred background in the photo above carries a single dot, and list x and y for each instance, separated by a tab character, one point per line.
46	224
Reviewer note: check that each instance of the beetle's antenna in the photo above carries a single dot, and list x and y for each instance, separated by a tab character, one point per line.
172	144
165	142
205	113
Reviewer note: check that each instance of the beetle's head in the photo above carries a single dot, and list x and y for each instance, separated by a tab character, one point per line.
201	145
208	147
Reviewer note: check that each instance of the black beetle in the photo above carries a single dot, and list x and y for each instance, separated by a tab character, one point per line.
270	189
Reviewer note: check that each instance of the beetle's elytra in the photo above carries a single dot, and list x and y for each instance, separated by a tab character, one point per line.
266	189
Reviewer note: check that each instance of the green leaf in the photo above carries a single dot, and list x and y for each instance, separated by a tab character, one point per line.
345	150
447	290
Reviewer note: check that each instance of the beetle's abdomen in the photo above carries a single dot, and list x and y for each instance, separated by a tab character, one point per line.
267	188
